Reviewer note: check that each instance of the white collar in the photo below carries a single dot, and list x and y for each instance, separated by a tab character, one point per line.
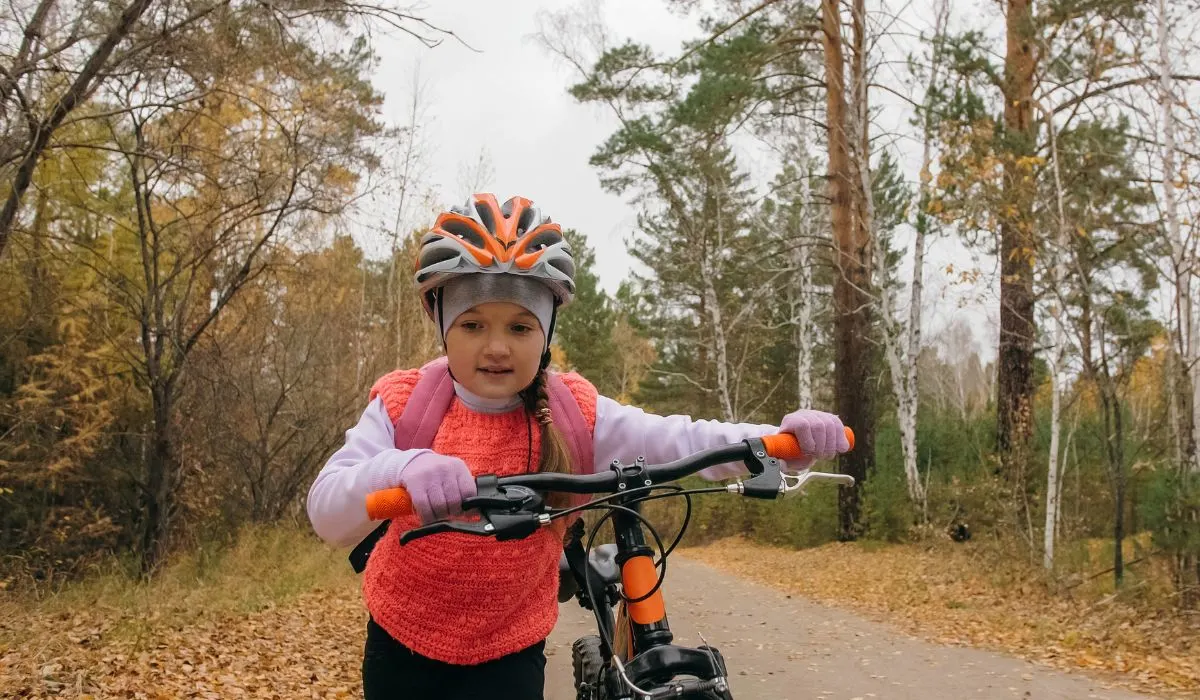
480	404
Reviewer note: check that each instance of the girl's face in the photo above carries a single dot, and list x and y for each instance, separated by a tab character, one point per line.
495	349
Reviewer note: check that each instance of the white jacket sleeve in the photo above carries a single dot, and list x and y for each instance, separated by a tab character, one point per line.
624	432
368	461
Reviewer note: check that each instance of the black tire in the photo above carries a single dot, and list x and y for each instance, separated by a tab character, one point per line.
588	664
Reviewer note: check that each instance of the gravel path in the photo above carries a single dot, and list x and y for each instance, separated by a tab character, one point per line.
784	648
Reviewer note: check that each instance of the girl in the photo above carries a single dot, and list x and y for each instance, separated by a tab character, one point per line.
461	616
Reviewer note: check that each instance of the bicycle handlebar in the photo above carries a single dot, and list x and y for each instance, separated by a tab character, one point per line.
396	502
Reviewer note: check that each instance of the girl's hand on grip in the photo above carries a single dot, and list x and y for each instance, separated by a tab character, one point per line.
821	435
437	485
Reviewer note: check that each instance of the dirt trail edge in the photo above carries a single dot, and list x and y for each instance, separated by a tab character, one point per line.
781	647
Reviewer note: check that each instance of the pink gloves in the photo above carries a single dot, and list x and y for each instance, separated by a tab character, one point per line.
437	485
821	435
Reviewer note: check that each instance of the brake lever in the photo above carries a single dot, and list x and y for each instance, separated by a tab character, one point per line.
502	526
490	496
796	482
441	526
506	513
767	481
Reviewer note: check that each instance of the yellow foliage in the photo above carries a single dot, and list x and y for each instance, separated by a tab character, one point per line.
635	358
558	358
68	388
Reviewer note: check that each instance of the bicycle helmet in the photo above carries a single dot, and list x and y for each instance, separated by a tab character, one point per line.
481	236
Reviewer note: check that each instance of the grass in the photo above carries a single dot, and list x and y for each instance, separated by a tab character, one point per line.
264	566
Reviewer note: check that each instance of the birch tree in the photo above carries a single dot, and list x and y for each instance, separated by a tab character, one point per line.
902	343
1058	350
795	210
408	197
1185	327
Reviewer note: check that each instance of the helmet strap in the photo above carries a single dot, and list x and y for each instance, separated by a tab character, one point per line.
553	320
549	336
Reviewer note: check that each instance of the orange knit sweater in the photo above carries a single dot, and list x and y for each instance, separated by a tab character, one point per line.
464	599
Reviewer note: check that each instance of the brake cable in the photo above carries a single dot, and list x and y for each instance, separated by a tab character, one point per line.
687	513
600	502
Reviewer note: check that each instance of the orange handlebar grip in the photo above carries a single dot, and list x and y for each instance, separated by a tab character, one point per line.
784	445
388	504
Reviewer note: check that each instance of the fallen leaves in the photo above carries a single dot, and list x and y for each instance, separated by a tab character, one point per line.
947	594
275	615
310	648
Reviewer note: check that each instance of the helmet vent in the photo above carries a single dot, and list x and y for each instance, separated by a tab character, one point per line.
526	221
564	266
463	231
433	256
485	215
545	239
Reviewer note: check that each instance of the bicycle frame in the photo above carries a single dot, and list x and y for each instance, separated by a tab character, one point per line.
640	631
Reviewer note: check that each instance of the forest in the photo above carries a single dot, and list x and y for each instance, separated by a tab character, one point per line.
190	320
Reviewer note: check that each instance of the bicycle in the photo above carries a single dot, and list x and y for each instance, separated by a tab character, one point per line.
632	657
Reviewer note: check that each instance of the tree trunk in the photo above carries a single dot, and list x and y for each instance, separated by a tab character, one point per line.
902	366
1014	384
1058	359
722	359
161	478
911	385
1183	258
1114	440
802	261
804	324
903	348
852	259
407	177
1052	482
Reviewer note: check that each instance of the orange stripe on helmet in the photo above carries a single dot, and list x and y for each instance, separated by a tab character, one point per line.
506	227
496	242
532	233
482	256
528	260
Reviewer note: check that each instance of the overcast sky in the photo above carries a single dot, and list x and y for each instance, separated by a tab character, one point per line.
509	100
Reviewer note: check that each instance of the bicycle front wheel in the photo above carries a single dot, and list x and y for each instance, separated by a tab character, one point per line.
588	664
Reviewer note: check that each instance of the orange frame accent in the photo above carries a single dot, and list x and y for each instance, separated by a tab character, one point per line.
638	577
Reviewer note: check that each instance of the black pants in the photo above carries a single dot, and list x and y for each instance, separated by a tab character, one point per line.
392	671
